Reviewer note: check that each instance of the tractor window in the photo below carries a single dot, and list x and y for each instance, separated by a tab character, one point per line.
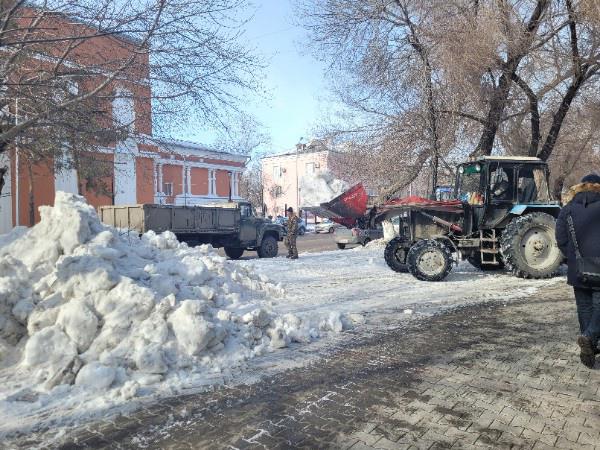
469	184
533	185
502	183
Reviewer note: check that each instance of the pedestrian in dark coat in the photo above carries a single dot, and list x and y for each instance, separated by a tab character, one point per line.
584	207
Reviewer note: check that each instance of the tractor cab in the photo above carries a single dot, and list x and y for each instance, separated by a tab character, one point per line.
498	188
503	216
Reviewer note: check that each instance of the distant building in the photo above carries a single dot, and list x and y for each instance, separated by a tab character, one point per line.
282	175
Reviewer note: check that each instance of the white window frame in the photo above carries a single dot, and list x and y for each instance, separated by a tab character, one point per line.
212	182
277	172
167	188
310	168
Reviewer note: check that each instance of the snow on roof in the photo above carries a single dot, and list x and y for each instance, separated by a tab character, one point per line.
196	149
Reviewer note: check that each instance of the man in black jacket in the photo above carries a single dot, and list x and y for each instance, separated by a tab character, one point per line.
584	207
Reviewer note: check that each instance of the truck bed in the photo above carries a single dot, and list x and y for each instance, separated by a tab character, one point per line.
178	219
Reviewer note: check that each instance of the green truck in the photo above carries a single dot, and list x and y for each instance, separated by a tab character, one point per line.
232	225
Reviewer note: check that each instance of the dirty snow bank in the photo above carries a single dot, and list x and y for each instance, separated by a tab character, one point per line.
90	318
320	188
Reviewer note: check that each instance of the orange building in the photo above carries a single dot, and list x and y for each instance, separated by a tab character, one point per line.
141	169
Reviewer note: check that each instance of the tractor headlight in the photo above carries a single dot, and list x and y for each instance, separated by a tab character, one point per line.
478	167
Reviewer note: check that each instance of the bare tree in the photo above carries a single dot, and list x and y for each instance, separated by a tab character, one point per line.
58	81
251	186
380	59
426	79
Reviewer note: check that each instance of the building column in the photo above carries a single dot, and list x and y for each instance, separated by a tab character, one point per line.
189	180
159	178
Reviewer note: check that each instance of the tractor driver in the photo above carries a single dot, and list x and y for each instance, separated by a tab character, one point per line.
501	185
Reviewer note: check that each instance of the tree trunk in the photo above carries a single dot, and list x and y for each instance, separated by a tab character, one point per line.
560	115
535	115
501	92
494	116
558	187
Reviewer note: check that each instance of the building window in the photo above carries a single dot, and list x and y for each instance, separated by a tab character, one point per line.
277	172
310	168
168	189
235	182
212	182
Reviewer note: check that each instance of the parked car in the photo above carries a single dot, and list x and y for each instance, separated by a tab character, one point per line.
356	236
326	226
283	222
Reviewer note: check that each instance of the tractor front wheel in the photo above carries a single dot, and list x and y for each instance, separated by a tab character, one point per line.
528	246
429	260
395	254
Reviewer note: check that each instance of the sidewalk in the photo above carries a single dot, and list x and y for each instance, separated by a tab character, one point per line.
493	375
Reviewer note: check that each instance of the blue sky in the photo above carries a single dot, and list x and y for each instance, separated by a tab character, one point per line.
294	79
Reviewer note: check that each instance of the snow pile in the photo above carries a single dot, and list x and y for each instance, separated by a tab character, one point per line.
320	188
389	231
85	309
376	244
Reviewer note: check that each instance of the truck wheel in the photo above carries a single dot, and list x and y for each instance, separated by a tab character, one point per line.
429	260
528	246
234	252
268	248
341	246
475	261
395	254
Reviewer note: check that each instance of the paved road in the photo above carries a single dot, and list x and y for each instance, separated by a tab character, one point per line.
309	242
492	375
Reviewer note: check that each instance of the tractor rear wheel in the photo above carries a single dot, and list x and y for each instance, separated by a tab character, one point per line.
528	246
395	254
475	261
429	260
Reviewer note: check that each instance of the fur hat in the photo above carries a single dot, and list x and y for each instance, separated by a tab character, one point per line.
582	187
591	178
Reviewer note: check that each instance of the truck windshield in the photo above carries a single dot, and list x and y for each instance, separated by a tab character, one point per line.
246	210
469	184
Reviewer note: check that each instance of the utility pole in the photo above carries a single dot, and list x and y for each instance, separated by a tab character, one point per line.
298	145
17	199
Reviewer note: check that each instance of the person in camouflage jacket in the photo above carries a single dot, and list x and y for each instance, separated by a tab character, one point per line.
292	233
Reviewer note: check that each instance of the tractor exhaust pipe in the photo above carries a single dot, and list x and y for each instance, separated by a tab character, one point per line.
442	222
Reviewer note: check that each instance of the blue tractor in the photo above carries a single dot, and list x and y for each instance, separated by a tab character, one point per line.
502	216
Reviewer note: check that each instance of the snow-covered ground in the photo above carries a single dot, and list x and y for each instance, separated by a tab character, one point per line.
92	320
358	281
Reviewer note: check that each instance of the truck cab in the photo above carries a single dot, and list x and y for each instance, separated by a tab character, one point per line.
255	233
